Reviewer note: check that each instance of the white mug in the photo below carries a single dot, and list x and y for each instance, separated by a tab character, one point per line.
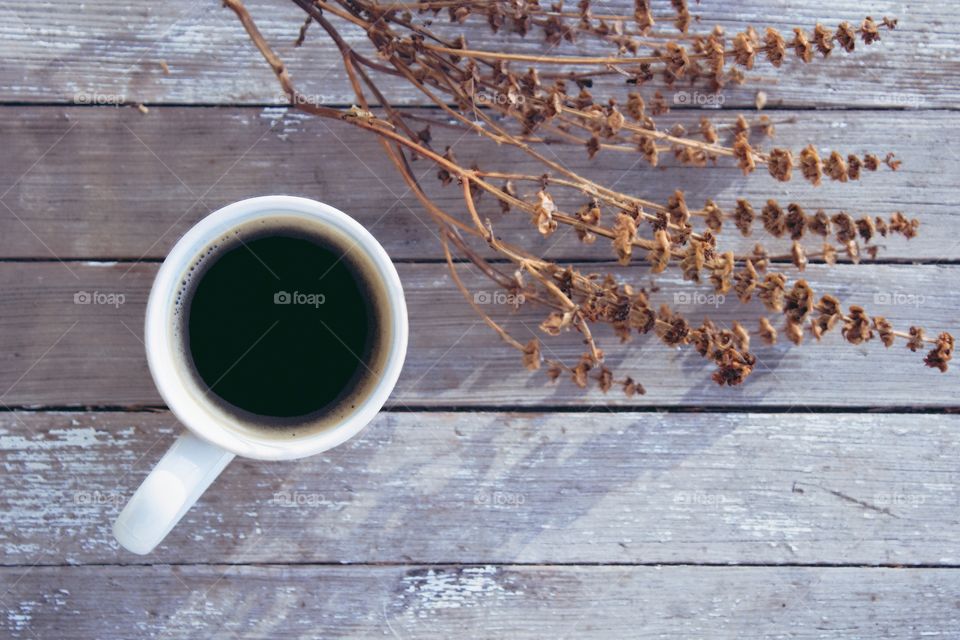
211	440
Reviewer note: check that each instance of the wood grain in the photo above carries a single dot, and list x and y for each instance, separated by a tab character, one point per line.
111	51
480	601
582	487
107	182
56	353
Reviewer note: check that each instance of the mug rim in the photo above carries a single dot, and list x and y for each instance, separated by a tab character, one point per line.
198	416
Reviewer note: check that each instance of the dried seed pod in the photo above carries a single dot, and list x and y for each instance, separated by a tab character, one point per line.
713	216
774	46
722	272
856	326
854	164
774	219
798	256
531	355
741	336
819	223
708	131
605	379
743	217
801	45
543	213
941	354
625	231
747	279
885	329
823	39
648	147
677	206
846	37
869	31
579	374
836	167
659	255
744	52
810	165
799	302
866	228
796	220
693	261
917	339
632	388
743	152
829	253
767	332
772	291
780	164
794	331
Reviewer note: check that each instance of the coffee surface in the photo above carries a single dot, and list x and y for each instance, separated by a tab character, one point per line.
281	325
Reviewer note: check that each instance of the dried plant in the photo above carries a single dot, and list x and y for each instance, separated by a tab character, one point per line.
530	101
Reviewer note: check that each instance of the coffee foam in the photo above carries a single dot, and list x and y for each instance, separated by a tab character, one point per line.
368	278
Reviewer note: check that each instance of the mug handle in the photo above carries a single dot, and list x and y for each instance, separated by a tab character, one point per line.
168	492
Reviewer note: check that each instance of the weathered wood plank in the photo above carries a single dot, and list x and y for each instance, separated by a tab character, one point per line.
110	50
481	601
587	487
54	352
84	183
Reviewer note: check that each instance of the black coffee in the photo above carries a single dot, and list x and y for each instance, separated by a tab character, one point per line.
282	326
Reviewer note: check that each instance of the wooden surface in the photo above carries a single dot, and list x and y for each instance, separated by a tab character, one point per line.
821	500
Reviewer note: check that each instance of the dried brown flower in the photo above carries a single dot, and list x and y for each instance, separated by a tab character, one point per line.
774	219
836	167
747	279
743	152
772	291
798	256
659	254
917	339
856	326
744	51
767	332
713	216
823	38
802	46
810	165
543	213
885	329
774	46
799	302
846	37
531	355
940	355
794	331
780	164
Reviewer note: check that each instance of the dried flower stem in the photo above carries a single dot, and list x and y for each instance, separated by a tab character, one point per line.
481	94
